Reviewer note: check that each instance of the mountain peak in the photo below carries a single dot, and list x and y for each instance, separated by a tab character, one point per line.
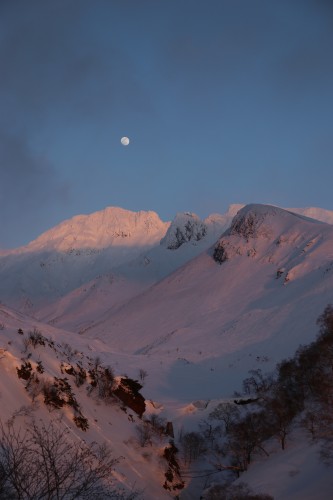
234	208
266	229
111	226
185	227
254	220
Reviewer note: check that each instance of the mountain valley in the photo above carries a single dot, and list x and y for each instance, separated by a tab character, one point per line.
185	310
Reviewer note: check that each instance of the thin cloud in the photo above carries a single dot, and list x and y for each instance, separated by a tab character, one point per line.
29	187
52	58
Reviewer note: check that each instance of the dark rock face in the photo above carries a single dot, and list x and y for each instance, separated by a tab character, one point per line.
191	231
184	228
251	224
173	480
220	255
245	225
255	221
128	392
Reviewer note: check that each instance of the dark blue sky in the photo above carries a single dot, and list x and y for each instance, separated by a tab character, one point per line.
224	102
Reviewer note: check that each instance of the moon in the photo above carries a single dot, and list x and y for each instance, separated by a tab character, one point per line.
125	141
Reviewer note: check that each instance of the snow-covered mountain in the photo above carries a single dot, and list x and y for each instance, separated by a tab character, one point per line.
112	226
315	213
75	252
236	302
186	307
110	254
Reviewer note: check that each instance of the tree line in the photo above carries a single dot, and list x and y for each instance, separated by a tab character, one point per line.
298	392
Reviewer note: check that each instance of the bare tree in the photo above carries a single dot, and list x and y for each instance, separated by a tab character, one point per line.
142	374
193	446
45	463
105	382
102	380
144	432
158	424
239	491
257	384
247	437
227	413
280	412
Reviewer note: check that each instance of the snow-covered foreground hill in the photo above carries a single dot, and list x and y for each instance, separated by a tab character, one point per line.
51	360
187	312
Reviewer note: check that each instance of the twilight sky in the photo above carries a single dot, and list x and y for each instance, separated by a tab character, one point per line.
225	101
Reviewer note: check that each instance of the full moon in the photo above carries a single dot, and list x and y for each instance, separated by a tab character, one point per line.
125	141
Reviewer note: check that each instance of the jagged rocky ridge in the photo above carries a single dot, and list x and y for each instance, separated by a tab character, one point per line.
71	268
106	252
184	228
275	235
264	249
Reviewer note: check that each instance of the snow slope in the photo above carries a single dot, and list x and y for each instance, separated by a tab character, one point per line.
75	252
246	302
256	306
315	213
139	469
99	260
295	473
96	252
